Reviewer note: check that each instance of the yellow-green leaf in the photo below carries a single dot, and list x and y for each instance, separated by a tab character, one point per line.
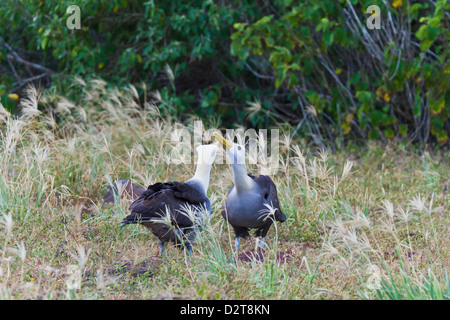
13	96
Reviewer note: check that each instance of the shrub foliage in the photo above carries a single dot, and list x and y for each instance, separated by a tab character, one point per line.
312	64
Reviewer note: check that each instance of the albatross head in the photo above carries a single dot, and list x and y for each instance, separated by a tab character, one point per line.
236	155
235	152
206	154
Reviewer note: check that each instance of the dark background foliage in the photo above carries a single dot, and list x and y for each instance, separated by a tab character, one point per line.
311	66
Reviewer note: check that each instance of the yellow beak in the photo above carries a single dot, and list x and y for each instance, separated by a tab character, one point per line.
227	144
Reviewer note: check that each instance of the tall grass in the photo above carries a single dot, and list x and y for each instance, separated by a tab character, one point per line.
365	224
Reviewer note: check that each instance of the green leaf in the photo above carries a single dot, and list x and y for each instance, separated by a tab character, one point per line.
205	103
403	130
323	25
442	137
376	117
437	106
355	77
436	125
212	98
305	32
293	80
44	43
389	133
417	108
367	98
374	134
420	34
269	41
240	26
414	10
263	21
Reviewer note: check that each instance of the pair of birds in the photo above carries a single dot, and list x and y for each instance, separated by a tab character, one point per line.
175	211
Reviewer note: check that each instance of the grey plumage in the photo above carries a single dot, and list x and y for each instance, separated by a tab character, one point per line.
257	209
248	209
252	202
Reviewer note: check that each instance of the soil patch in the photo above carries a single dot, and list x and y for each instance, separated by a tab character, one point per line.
147	266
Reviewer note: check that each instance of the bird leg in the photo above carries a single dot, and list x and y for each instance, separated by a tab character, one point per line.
262	243
259	243
236	244
188	247
162	252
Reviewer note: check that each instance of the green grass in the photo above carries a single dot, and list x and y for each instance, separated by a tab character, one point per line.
406	289
365	223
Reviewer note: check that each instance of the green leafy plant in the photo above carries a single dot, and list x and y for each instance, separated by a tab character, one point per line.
314	65
375	83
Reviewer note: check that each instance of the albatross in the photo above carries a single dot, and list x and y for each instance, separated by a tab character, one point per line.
252	202
175	211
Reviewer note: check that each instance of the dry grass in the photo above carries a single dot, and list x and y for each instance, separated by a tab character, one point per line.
368	223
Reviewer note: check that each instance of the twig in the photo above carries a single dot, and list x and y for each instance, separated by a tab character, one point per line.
16	76
29	17
297	128
14	56
23	82
18	59
256	74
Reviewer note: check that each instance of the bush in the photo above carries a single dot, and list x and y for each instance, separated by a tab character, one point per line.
347	78
314	65
179	48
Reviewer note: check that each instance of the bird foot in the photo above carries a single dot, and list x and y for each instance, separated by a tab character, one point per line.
259	243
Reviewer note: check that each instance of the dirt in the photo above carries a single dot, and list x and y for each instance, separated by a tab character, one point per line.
61	249
412	236
147	266
288	252
410	255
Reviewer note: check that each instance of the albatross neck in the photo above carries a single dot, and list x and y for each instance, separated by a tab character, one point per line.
201	175
241	180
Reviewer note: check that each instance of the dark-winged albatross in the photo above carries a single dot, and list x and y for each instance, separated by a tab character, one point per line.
174	211
251	200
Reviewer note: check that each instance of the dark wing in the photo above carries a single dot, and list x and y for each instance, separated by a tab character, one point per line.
269	189
159	197
190	194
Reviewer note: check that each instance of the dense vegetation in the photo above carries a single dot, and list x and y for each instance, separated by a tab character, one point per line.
312	65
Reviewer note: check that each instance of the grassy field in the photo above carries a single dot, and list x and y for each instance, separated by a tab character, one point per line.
366	223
